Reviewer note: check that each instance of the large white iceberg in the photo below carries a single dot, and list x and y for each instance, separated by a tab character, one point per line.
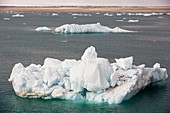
88	28
91	78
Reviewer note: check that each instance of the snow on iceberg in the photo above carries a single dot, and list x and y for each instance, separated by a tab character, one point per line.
18	16
91	78
43	29
88	28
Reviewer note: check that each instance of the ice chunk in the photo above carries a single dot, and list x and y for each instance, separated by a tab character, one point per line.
90	53
125	63
16	69
52	63
97	74
69	63
133	20
53	71
147	14
114	79
157	65
58	92
88	28
54	14
107	14
94	75
119	20
80	14
77	77
7	19
43	29
119	30
18	16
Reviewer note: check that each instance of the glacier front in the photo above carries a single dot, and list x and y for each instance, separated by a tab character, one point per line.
91	78
88	28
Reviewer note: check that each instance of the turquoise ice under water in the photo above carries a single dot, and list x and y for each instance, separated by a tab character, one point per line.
20	43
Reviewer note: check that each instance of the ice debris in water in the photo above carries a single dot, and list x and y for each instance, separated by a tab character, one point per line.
133	20
43	29
91	78
18	16
54	14
7	19
88	28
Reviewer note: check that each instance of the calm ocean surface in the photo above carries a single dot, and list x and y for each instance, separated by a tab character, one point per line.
20	43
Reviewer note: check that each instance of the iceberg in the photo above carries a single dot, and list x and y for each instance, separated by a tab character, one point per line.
7	19
88	28
54	14
107	14
18	16
91	78
133	20
43	29
80	14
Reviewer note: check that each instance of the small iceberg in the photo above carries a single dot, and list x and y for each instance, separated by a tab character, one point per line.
147	14
91	78
88	28
80	14
54	14
133	21
167	13
7	19
107	14
18	16
119	14
43	29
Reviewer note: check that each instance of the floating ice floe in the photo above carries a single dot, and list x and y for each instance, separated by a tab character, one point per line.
18	16
147	14
144	14
7	19
80	14
54	14
88	28
91	78
119	14
43	29
107	14
133	20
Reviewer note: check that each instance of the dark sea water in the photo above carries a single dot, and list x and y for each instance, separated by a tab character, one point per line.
20	43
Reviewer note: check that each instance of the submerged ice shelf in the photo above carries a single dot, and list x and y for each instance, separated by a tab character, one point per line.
91	78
